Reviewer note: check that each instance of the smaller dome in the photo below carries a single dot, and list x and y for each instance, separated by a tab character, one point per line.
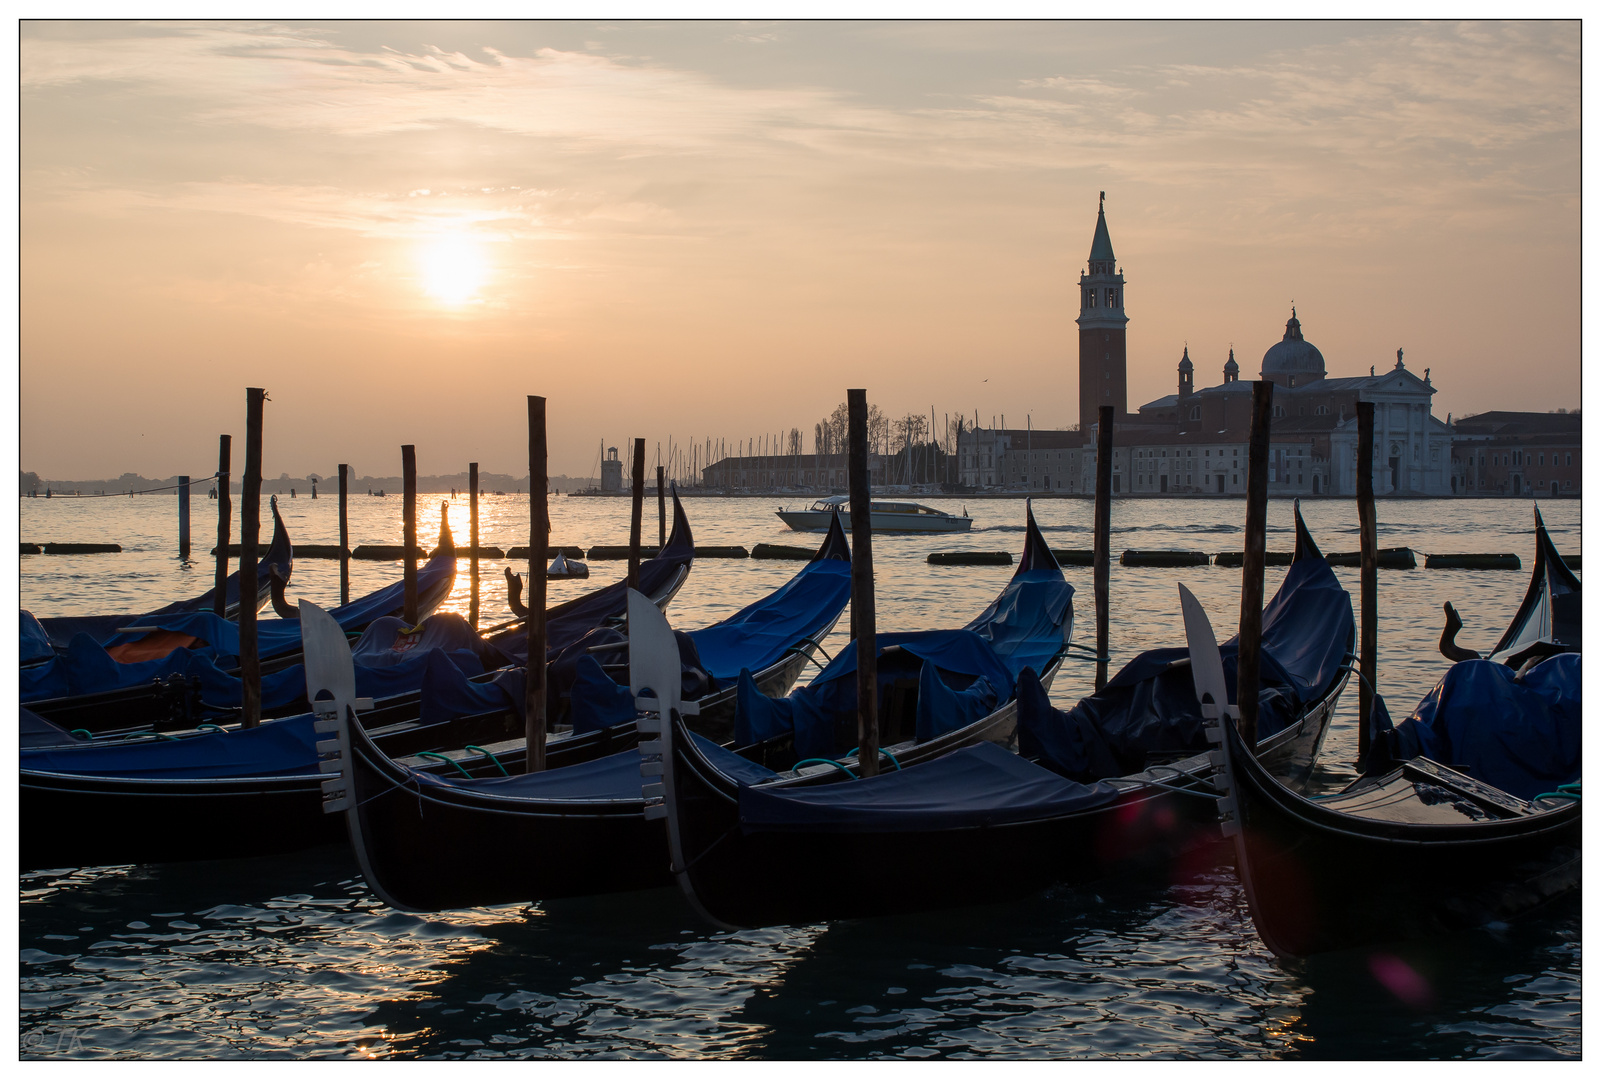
1231	368
1184	364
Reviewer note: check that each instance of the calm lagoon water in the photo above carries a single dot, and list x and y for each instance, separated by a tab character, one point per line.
293	958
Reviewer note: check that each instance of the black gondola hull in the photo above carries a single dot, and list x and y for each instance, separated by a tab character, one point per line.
1320	880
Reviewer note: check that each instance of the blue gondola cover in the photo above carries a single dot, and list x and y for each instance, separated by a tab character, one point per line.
975	787
1523	735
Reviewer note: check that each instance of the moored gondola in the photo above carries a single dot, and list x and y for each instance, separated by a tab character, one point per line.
176	670
410	827
1548	621
59	631
426	839
980	824
1415	848
158	798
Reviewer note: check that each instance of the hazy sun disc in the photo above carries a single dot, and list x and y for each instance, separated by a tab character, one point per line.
453	269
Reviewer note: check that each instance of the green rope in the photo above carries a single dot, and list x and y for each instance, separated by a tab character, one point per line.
855	750
823	761
490	756
213	727
442	757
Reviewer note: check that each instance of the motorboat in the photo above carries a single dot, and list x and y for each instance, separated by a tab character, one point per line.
887	516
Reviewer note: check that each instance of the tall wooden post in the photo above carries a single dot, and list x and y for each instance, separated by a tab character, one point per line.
408	509
249	537
639	513
538	543
1248	678
1103	542
472	528
661	508
344	534
863	616
219	595
183	518
1368	646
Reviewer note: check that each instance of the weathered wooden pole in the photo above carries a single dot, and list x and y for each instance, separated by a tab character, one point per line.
1248	676
1368	645
862	610
219	595
538	543
408	510
249	537
472	529
344	534
639	513
661	508
183	518
1103	543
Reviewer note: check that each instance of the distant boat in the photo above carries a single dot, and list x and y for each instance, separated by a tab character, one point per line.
887	517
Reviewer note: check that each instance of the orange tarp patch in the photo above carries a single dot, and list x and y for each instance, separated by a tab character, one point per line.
151	647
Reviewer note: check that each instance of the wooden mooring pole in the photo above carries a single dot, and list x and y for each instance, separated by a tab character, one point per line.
249	537
1249	673
344	534
183	518
538	543
637	522
661	508
219	595
863	618
1368	634
472	530
1103	542
408	541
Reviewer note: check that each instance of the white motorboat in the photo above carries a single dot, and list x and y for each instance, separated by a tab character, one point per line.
887	517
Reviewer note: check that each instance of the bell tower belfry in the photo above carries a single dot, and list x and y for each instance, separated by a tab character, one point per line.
1102	346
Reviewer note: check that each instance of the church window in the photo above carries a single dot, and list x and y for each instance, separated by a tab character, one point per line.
1089	298
1570	459
1322	410
1278	411
1111	298
1195	413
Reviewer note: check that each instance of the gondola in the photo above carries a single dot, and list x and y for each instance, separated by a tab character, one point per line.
1548	621
167	798
177	670
413	830
59	631
588	820
1415	847
981	824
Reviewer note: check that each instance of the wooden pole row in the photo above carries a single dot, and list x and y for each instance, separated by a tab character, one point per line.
1248	675
863	620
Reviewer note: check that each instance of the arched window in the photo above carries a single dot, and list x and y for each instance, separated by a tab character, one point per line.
1195	413
1278	411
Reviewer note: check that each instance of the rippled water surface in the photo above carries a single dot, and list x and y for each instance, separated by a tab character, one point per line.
292	957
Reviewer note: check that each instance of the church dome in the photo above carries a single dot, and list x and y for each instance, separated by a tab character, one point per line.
1294	355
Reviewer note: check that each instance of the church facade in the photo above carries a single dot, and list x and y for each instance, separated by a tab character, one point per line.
1194	441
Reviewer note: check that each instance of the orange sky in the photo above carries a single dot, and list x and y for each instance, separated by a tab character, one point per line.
693	229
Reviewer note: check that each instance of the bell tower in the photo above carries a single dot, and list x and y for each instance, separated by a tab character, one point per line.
1102	348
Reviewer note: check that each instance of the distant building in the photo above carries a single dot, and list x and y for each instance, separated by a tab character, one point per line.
1193	441
1518	454
817	472
611	472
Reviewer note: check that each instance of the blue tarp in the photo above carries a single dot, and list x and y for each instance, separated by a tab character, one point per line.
759	635
85	664
604	779
974	787
1149	708
85	667
1024	623
1521	735
35	643
822	715
276	748
754	638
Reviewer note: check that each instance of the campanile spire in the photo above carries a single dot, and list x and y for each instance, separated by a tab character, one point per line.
1102	345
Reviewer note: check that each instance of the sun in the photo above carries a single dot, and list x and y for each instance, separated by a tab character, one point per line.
453	269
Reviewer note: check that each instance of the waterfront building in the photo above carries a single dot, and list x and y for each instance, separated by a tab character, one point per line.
1518	454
